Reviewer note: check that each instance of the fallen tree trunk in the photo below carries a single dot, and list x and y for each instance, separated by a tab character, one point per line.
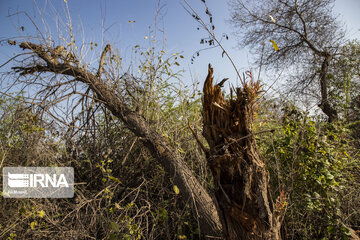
241	179
190	188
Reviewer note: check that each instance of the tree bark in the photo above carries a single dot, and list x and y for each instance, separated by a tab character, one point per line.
240	175
190	188
325	106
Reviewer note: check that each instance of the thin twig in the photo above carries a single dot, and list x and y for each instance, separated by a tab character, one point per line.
127	154
217	41
206	151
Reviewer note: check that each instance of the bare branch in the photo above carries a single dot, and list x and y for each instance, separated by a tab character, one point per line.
106	49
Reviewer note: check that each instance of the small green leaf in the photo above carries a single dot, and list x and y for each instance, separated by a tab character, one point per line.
316	195
115	226
329	176
113	237
22	210
114	179
331	229
346	231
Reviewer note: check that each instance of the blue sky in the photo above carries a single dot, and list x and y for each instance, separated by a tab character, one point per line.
91	16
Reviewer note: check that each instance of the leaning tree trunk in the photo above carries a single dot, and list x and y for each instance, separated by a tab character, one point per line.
175	167
325	106
242	190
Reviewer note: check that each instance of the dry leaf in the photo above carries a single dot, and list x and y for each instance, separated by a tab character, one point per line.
275	45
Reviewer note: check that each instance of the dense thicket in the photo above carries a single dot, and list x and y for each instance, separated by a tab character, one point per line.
142	169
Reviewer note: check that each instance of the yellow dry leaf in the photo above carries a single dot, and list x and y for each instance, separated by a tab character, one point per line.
65	1
41	213
176	189
33	225
274	45
272	19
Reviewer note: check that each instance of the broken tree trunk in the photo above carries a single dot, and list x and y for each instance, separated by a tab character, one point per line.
242	190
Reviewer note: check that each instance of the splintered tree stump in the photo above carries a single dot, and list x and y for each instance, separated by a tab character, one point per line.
241	180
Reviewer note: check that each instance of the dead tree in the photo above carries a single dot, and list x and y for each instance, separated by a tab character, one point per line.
242	190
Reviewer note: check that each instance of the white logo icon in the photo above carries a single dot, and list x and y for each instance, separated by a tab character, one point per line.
18	180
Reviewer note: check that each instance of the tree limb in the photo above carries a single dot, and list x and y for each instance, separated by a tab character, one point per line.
106	49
